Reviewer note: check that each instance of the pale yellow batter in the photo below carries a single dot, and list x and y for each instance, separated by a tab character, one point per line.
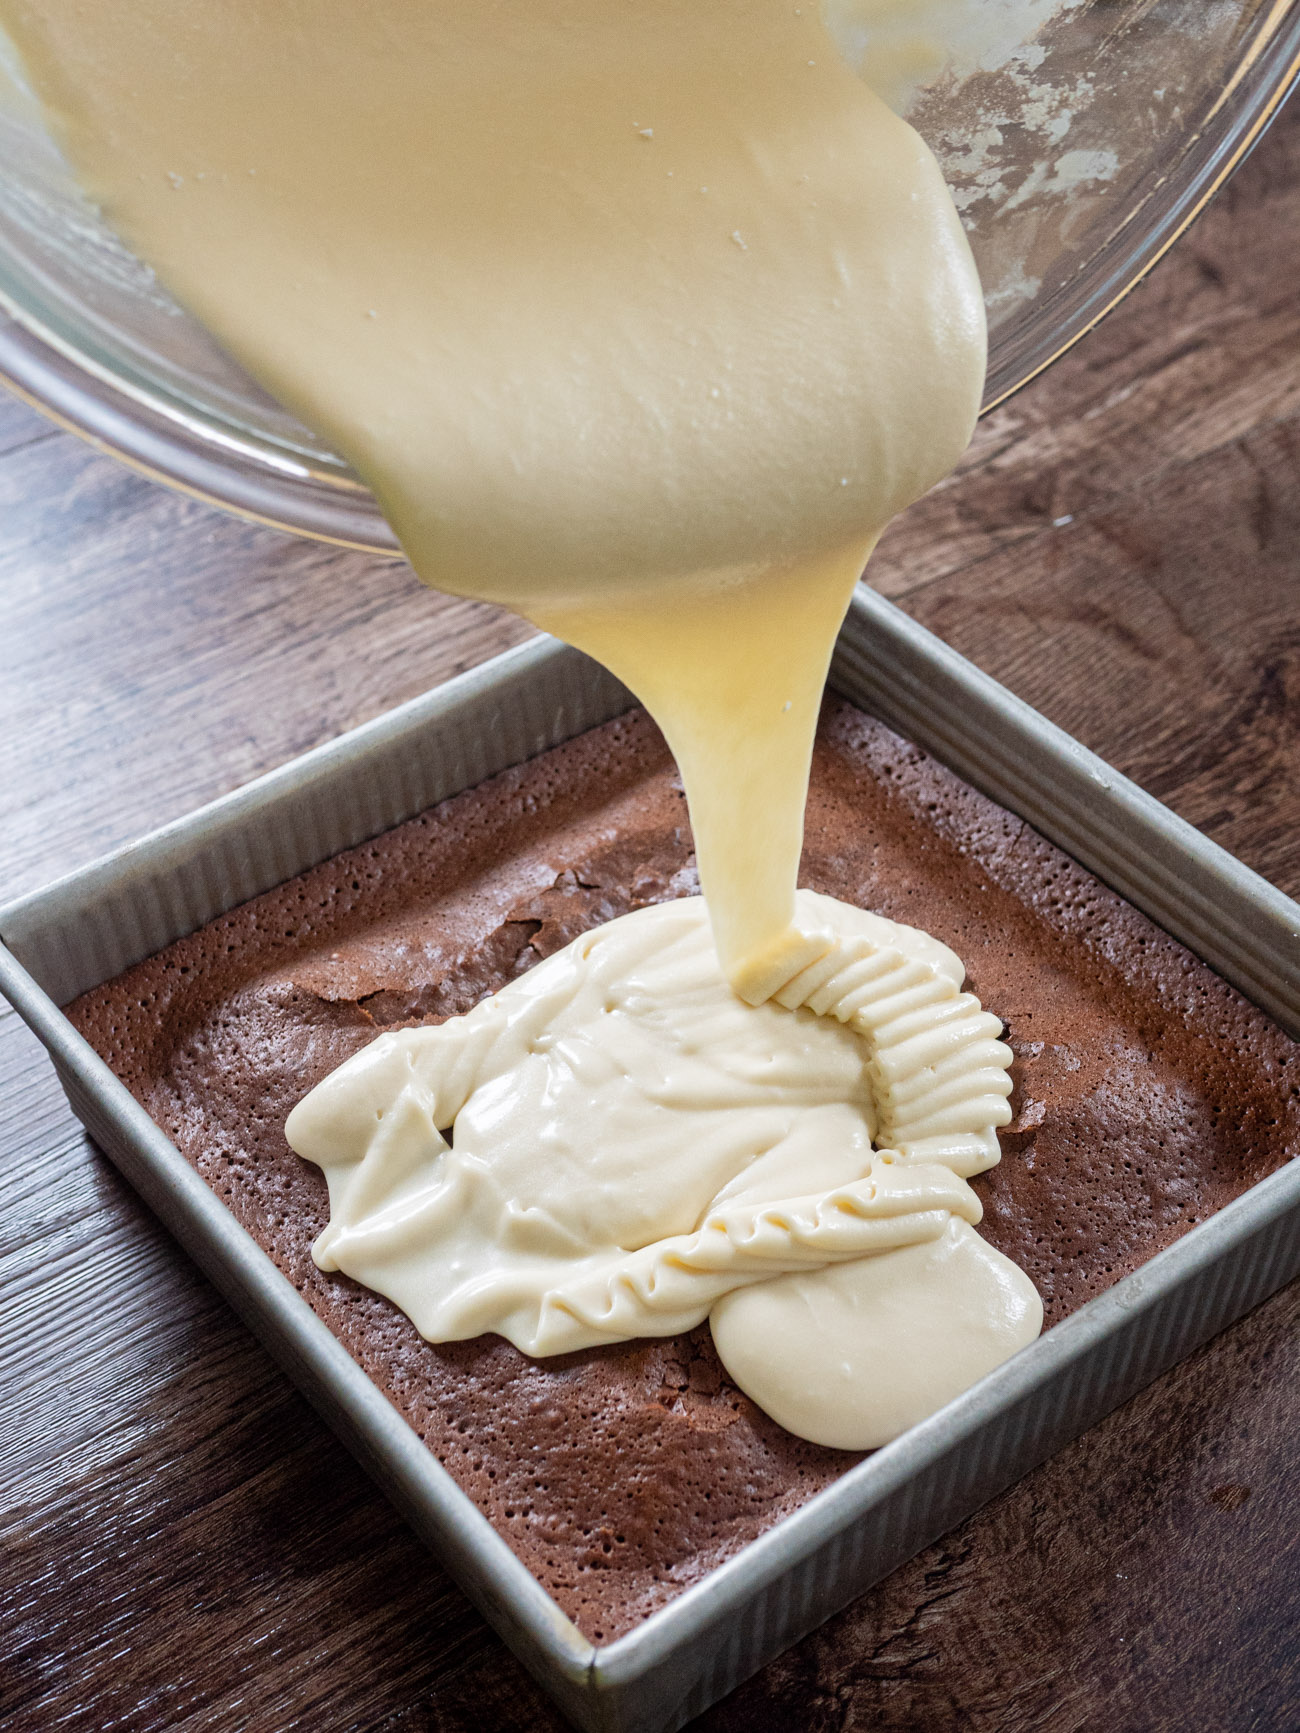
633	1150
641	317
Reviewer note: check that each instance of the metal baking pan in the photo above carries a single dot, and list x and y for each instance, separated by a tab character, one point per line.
89	926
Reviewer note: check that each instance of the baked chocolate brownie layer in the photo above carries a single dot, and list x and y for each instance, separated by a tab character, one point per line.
1148	1094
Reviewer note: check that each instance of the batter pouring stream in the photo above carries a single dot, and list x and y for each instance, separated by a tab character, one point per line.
640	319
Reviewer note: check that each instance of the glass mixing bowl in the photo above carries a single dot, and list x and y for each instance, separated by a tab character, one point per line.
1080	138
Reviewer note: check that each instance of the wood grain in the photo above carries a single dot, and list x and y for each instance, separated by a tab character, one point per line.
184	1546
142	625
18	424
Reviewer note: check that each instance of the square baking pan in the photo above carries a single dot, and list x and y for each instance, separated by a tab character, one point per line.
88	927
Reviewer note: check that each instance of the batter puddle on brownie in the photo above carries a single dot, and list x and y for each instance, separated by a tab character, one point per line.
1149	1093
615	1145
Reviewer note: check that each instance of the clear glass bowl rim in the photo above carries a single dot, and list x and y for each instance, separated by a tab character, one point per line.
168	441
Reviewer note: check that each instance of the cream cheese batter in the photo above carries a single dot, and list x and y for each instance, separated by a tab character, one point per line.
642	320
615	1145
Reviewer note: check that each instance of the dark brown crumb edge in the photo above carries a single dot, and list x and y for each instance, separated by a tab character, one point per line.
1149	1093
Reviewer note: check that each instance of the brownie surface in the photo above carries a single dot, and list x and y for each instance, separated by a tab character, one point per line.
1148	1094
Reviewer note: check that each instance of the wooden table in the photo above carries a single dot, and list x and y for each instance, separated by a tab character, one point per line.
184	1545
